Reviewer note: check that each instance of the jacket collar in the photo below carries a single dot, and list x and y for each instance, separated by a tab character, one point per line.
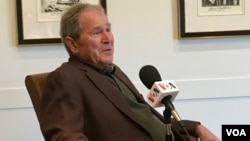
109	68
104	86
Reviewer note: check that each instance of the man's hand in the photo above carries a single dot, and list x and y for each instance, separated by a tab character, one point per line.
205	135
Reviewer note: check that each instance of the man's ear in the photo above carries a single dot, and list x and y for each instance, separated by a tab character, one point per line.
72	46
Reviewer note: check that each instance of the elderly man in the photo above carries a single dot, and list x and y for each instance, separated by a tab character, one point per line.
89	98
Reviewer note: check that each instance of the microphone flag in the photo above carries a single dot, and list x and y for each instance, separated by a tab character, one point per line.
161	89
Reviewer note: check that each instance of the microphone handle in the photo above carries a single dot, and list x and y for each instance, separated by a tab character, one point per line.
170	110
167	118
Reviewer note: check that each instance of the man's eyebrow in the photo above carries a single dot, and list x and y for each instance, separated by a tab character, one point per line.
99	27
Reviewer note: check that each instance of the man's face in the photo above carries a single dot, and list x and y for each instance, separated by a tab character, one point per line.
96	41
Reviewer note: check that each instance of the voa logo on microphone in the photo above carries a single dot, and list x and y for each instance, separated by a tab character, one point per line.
236	132
159	90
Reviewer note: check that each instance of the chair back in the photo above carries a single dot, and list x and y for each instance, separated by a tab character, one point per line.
35	84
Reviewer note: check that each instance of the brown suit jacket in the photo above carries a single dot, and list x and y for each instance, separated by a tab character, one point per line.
79	104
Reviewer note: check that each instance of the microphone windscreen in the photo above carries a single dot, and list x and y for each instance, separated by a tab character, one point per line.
148	75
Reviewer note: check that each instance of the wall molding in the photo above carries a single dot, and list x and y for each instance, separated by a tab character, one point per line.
208	88
17	97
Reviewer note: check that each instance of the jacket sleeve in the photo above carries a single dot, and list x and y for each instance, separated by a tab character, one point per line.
61	110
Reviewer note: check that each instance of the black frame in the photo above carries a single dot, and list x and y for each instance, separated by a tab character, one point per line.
22	41
184	34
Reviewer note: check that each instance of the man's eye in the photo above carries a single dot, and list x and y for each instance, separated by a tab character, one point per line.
96	32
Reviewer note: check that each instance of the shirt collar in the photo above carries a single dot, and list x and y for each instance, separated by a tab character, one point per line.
105	69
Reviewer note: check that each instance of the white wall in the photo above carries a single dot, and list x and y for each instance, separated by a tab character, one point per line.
212	74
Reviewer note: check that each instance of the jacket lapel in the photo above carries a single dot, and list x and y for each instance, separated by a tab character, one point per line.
107	89
112	94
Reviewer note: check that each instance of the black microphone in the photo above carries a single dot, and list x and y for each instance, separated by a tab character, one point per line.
148	75
161	92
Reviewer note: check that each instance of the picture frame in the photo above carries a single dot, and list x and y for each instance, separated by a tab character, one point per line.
223	18
38	21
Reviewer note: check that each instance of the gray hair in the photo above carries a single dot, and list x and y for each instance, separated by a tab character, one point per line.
70	24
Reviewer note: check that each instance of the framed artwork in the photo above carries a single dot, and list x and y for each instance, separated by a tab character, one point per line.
38	21
213	18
